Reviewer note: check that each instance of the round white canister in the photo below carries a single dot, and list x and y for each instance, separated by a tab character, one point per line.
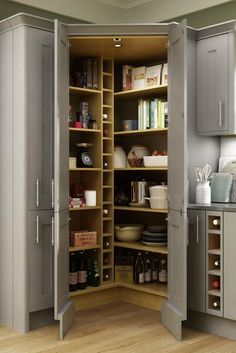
203	193
119	157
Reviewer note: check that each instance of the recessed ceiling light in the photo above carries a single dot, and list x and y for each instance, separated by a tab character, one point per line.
118	45
116	39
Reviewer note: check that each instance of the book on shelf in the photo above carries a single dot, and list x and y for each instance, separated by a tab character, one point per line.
153	75
95	73
139	77
89	73
152	114
126	77
86	73
164	75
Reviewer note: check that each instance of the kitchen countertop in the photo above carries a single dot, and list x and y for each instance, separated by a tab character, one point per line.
229	207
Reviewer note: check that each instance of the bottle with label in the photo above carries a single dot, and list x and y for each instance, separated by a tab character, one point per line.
139	270
162	275
73	272
147	268
154	269
82	271
95	276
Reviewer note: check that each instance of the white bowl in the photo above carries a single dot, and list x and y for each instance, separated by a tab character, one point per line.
128	232
158	202
155	161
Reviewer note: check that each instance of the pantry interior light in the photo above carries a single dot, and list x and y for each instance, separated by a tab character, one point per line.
116	39
118	45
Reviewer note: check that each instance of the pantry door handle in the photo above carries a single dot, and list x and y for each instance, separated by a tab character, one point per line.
37	193
37	229
53	228
197	222
53	194
220	112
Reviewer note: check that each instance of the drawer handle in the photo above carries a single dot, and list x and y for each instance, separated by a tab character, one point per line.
37	193
197	223
53	235
220	112
37	229
53	196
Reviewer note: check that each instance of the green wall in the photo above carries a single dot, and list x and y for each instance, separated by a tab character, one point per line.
8	8
216	14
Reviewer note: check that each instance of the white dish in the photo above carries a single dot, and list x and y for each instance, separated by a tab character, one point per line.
155	161
158	202
153	244
128	232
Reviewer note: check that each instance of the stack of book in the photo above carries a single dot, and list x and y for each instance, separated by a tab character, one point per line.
144	76
152	114
85	73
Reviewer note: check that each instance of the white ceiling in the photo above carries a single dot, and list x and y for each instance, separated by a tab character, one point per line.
125	4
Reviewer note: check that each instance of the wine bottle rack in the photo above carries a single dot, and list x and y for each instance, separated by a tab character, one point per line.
107	257
214	263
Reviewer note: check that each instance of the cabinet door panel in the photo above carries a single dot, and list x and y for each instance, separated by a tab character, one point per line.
196	260
40	80
213	84
229	265
41	260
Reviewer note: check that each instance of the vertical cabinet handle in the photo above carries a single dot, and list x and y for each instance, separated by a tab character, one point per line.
37	193
53	195
197	223
37	229
220	112
53	235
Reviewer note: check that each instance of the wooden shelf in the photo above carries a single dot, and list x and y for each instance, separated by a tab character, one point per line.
214	231
214	272
141	168
140	209
107	122
93	289
107	219
86	208
214	251
107	73
107	106
107	186
141	132
105	267
75	129
83	91
107	138
82	248
142	93
107	235
107	90
107	154
107	170
85	169
152	288
107	250
139	246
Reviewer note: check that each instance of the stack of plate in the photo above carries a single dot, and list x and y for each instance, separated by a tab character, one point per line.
155	236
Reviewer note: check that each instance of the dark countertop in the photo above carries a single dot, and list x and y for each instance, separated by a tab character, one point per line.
223	207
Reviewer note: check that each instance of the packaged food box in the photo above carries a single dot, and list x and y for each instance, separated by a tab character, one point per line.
83	238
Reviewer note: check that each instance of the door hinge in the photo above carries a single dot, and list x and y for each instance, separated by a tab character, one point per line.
168	44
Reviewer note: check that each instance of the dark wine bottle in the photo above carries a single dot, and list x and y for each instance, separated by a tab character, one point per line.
82	271
139	270
95	276
73	271
147	268
154	269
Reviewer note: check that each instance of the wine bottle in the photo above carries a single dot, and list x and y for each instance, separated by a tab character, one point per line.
216	222
147	269
216	304
82	271
73	272
162	275
217	263
105	116
106	244
95	276
154	269
139	270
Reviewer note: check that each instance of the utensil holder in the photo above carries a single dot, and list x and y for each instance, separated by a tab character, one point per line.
203	193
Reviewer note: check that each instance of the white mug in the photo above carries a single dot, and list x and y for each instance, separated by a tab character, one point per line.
90	197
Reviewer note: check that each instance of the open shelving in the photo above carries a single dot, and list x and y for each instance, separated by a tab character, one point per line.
139	246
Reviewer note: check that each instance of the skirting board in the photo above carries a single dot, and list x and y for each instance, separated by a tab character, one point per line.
211	324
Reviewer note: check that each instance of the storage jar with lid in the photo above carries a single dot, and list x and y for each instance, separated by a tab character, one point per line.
136	154
119	157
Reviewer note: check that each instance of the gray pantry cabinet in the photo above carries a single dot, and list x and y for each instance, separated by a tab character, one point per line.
215	84
34	163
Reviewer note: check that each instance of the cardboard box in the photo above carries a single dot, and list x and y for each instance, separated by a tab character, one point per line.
164	78
124	274
127	77
83	238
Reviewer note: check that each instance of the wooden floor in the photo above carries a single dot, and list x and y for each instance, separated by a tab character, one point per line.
119	328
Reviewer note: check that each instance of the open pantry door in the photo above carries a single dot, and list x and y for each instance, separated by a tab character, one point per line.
174	310
63	307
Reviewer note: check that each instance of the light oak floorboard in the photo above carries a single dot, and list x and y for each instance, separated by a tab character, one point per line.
114	328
